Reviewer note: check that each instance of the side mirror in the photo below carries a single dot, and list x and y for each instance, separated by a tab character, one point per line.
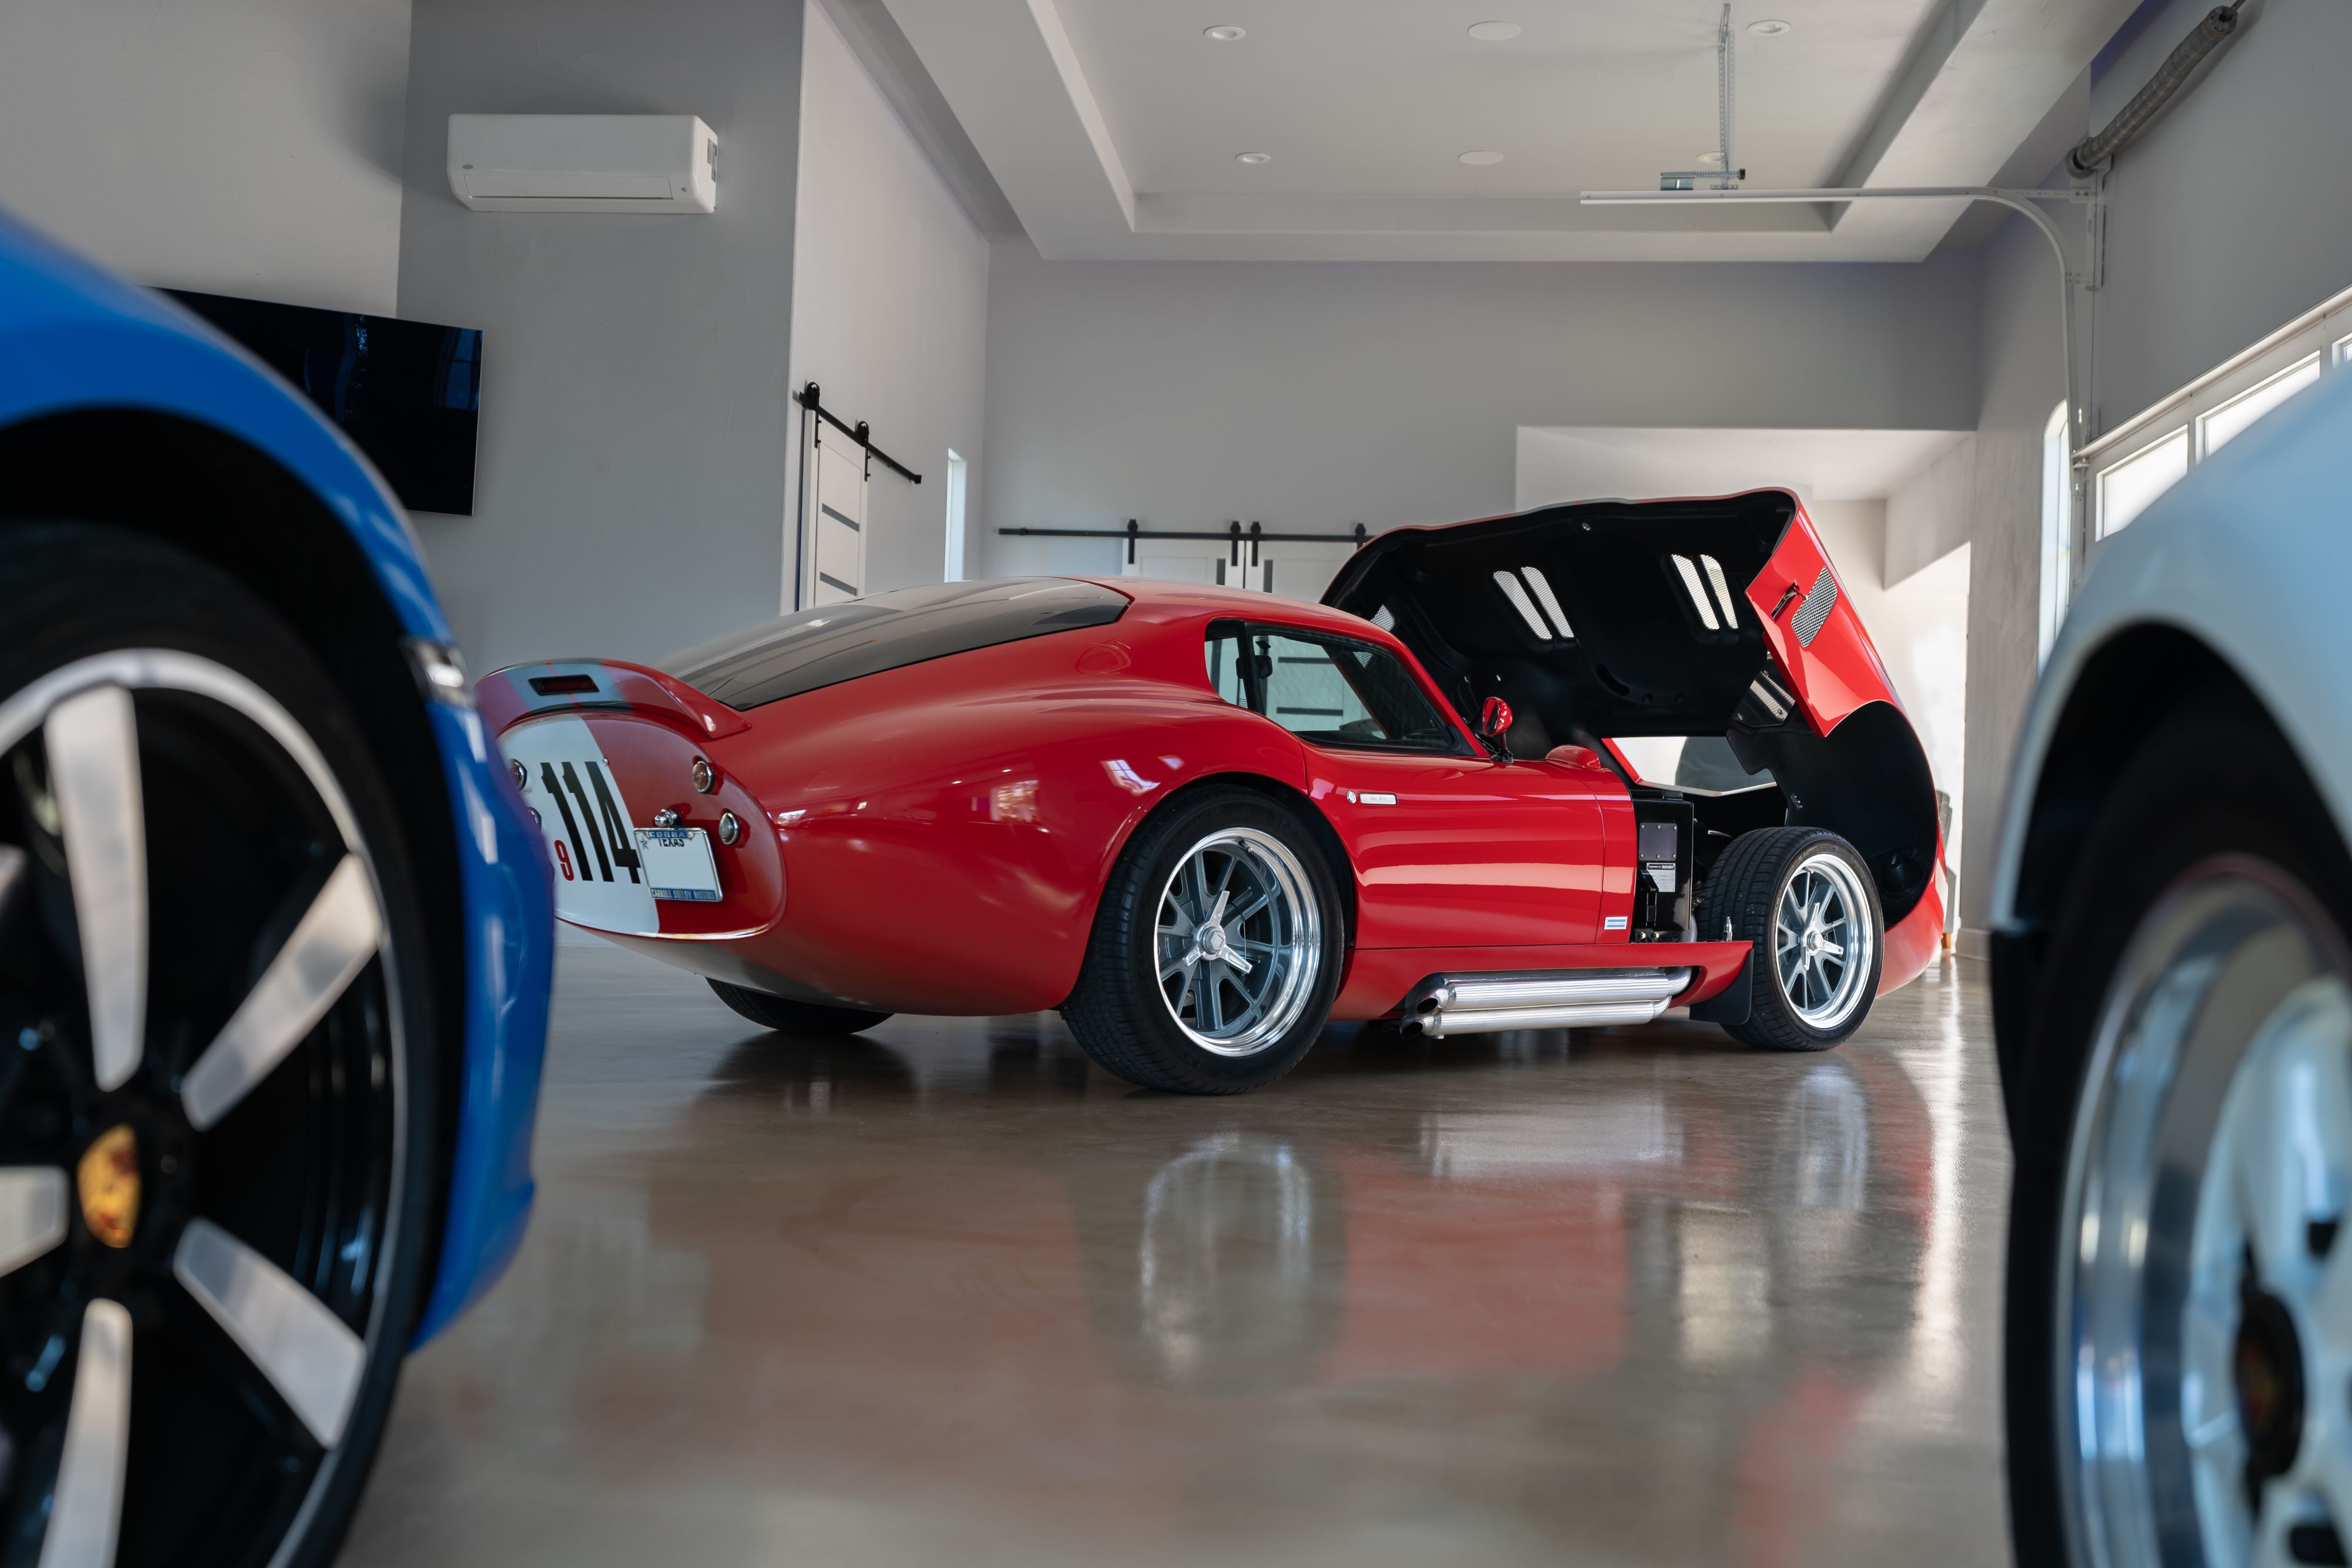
1494	719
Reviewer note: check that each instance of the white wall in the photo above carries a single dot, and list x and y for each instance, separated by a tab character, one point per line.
630	493
1920	625
2223	225
889	304
248	147
1314	395
2234	213
1556	465
1986	495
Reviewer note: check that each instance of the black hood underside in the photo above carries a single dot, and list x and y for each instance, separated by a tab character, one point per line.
1591	618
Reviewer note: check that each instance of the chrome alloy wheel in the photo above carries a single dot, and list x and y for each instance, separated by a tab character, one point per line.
2204	1298
1239	941
201	1116
1823	939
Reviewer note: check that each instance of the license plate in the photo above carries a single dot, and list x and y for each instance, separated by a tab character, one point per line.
678	863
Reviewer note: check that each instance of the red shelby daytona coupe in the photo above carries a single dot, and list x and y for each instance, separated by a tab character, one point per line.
1564	769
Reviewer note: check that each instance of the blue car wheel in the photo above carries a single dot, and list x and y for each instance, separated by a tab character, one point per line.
217	1112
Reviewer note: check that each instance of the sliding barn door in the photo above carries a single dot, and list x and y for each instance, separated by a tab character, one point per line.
836	556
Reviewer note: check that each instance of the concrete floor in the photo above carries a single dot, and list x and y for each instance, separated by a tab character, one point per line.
947	1294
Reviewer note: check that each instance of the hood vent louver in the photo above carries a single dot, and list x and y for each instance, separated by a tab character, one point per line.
1697	592
1542	585
1516	590
1815	610
1722	590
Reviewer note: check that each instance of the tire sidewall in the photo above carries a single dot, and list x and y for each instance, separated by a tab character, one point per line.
1774	1018
2209	784
1152	861
69	590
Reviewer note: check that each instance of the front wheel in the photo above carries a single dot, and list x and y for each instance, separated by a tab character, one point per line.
1805	901
216	1109
1216	952
2179	1291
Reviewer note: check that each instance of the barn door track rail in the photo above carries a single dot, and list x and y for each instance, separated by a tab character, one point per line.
859	432
1233	533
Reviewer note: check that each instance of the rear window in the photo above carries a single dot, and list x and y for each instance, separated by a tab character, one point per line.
835	643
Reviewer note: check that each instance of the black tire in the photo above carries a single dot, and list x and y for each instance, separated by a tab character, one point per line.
1744	889
314	1157
2216	780
1120	1013
787	1017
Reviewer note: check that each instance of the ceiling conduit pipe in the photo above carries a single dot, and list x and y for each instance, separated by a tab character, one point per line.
2219	25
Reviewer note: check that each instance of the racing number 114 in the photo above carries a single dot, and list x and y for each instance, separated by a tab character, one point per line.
601	811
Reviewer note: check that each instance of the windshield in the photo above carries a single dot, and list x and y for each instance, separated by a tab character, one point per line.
1701	763
835	643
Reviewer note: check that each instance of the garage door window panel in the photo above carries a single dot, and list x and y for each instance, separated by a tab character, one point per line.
2128	489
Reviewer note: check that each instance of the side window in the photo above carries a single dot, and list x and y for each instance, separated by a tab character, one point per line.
1329	690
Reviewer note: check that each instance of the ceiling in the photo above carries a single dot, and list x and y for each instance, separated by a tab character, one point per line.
1112	128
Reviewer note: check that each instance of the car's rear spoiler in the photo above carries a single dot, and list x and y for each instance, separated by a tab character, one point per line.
587	685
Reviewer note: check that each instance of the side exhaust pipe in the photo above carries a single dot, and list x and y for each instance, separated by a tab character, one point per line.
1585	998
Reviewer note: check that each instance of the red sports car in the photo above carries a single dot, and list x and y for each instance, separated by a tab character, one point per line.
1564	769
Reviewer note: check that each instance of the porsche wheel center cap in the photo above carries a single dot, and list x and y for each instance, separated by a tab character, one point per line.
108	1180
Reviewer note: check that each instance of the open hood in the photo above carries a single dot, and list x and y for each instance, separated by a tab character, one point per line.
1599	617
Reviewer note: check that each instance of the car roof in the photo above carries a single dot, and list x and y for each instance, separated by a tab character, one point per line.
1174	600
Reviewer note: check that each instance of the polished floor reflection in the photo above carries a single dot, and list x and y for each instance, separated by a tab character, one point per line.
947	1294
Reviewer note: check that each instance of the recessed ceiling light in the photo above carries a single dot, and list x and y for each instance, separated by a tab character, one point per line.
1493	32
1708	159
1253	157
1771	29
1226	35
1481	158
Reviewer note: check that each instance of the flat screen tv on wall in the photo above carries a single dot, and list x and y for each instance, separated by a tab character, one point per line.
408	394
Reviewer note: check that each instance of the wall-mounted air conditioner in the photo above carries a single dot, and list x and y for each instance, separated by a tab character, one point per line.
583	163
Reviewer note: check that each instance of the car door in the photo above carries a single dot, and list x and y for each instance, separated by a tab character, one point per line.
1451	849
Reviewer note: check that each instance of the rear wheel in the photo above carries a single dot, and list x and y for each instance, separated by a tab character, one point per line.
1216	951
788	1017
215	1071
1805	900
2179	1295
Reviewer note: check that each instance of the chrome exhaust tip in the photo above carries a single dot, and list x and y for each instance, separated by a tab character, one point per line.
1583	998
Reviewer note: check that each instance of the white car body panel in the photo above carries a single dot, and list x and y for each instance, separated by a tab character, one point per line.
2250	554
